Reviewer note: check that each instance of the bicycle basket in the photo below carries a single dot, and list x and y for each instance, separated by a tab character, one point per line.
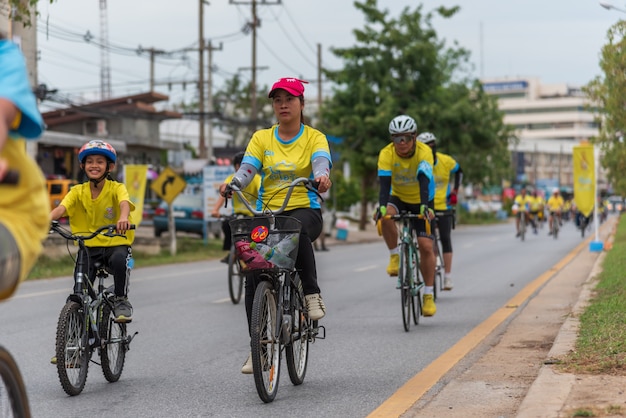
259	246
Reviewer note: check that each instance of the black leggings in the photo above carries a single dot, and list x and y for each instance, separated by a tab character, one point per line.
117	260
444	225
311	220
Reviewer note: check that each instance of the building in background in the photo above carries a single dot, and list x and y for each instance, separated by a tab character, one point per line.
549	120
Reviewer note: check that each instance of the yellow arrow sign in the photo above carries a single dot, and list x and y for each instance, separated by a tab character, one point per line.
168	185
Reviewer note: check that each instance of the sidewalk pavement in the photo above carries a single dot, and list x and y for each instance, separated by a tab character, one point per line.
549	393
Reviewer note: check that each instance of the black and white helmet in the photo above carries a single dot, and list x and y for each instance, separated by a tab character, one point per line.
426	137
402	125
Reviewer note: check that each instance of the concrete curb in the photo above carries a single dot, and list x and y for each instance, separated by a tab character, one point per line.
550	390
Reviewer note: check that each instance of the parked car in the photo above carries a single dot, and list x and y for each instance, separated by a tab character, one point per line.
188	215
615	203
57	189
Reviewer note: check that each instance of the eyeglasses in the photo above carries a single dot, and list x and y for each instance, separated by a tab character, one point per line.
402	138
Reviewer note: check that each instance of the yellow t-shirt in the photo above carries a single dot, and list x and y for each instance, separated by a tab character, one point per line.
87	214
404	171
25	207
555	203
251	193
280	162
444	168
524	202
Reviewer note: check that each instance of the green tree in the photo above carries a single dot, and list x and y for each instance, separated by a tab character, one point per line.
607	95
400	66
23	10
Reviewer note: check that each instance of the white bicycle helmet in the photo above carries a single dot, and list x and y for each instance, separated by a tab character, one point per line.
426	137
402	125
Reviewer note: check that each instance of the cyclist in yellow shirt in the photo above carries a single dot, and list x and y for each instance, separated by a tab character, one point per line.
555	207
97	202
24	206
523	202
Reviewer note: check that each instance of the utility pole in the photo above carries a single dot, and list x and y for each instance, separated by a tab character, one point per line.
105	66
201	117
153	53
210	109
319	83
254	24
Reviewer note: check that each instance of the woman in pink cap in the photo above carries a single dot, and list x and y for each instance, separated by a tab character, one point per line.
280	154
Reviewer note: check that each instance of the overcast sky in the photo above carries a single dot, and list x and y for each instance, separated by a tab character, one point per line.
558	41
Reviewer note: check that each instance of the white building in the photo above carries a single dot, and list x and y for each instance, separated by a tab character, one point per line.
549	120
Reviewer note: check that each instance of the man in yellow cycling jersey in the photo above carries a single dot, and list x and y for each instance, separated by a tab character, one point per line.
445	168
405	173
24	206
523	202
555	207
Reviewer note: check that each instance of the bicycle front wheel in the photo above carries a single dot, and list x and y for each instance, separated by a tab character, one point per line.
416	289
235	277
114	345
13	397
265	343
404	275
297	351
72	348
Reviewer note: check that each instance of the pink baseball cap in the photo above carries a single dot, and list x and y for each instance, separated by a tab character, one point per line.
291	85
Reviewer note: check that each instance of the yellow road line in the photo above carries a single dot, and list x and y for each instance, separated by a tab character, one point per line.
398	403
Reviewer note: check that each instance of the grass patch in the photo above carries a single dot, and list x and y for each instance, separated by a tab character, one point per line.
188	249
601	344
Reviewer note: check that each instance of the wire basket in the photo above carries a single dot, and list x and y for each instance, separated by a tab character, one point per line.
259	245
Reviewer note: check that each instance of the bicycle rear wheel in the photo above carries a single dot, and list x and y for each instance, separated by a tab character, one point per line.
404	275
235	277
113	351
522	227
72	348
297	350
13	397
265	343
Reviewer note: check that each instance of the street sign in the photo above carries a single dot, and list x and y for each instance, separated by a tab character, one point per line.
168	185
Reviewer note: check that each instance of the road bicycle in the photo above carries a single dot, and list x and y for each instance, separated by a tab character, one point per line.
13	395
280	319
523	220
410	280
87	321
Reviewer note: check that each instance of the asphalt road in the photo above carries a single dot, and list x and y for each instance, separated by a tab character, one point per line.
192	340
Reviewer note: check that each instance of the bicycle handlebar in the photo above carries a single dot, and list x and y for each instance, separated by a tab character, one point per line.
409	215
56	227
308	183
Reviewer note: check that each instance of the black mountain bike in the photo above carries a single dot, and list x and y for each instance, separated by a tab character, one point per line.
87	321
279	320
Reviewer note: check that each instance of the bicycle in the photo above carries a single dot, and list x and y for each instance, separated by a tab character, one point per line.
555	225
279	320
522	224
235	274
410	282
13	395
440	266
87	321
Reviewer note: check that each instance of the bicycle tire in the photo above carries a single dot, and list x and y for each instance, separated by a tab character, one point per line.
297	351
235	277
404	275
114	345
522	227
13	396
72	348
265	344
416	289
439	269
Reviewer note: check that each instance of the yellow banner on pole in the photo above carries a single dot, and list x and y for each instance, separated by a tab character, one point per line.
135	177
584	178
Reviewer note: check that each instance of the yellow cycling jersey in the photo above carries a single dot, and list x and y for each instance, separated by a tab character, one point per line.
537	203
87	214
555	203
404	171
524	202
251	193
280	162
442	171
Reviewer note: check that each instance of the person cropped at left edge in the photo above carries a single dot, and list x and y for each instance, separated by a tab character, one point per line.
405	173
24	207
97	202
280	154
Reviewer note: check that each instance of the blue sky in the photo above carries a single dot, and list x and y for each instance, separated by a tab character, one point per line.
555	40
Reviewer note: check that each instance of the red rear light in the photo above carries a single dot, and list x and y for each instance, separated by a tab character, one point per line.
159	212
197	214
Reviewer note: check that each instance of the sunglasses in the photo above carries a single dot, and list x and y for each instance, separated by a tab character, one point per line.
402	139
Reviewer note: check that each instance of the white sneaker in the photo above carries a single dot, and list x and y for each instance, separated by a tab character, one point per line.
247	366
447	283
315	306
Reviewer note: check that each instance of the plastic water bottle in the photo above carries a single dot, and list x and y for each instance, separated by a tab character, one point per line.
272	254
250	257
287	244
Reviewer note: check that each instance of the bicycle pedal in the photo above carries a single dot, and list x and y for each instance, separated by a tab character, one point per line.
123	320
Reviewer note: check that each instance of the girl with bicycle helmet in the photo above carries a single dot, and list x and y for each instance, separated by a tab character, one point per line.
97	202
